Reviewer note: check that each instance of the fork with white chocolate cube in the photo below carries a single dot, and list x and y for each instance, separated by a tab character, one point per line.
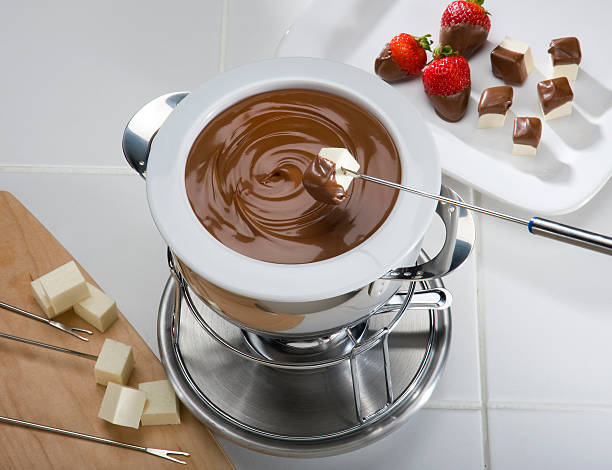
325	179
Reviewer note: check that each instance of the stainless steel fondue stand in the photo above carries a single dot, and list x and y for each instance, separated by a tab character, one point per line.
308	398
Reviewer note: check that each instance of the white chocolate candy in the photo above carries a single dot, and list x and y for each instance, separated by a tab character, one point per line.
162	405
64	287
115	363
559	112
522	149
491	120
567	70
99	310
122	405
42	299
343	159
521	48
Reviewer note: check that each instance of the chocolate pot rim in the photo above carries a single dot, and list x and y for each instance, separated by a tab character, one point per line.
249	277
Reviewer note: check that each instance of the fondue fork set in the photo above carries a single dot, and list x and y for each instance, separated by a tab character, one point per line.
325	355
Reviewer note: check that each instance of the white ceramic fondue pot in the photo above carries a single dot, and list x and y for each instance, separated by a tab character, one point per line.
294	300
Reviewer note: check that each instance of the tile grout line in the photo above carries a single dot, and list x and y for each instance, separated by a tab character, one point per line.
484	389
518	406
67	169
223	39
566	407
450	405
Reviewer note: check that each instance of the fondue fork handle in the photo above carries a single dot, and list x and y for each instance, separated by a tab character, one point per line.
572	235
142	128
536	225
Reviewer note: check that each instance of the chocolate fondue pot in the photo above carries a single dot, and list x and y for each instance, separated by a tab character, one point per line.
294	300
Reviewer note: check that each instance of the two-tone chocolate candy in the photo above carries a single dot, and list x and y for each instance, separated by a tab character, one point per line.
526	135
512	61
565	55
556	97
493	106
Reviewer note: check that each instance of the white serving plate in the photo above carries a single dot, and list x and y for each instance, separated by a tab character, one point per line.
575	155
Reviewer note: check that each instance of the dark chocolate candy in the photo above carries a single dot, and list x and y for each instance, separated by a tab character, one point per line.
508	65
554	93
527	131
565	51
495	100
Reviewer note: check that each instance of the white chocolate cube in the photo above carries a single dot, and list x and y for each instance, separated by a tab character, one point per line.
99	310
115	363
42	299
521	48
567	70
559	112
522	149
491	120
343	159
64	286
162	405
122	405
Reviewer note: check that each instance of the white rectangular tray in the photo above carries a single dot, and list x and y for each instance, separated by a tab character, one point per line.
575	154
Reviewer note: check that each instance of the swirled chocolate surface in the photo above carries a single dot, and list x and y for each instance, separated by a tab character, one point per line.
244	176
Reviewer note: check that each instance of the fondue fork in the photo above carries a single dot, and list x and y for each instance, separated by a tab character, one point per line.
535	225
71	330
163	453
92	357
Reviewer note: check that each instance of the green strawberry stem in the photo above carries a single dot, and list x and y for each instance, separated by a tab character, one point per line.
423	41
444	51
480	3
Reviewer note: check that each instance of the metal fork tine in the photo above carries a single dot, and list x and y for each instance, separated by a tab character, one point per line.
83	330
165	454
69	329
76	335
60	326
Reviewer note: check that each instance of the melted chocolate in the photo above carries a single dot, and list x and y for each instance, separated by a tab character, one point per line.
451	107
387	69
564	51
243	176
527	131
554	93
495	100
319	179
508	65
465	38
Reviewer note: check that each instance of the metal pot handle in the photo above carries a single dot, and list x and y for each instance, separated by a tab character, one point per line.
460	236
143	127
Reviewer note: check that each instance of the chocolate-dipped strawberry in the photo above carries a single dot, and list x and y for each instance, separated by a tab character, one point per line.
447	82
465	26
403	57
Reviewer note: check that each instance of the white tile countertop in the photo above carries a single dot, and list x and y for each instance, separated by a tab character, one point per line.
528	382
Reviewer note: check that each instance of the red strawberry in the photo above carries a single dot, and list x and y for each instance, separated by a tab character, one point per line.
409	52
465	26
448	83
466	11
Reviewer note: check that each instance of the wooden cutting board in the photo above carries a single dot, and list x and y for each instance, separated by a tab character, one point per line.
59	390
